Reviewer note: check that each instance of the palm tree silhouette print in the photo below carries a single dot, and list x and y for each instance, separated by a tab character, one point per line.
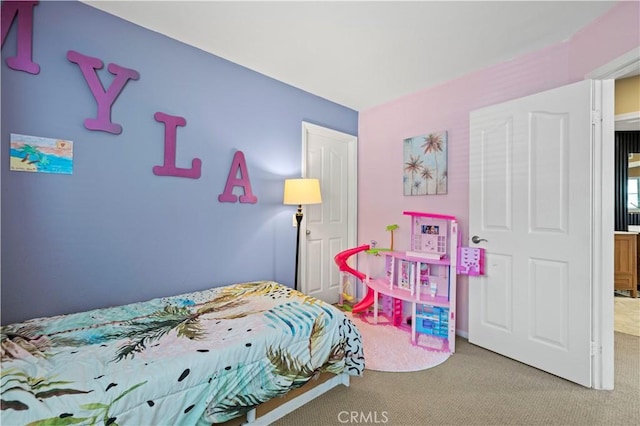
433	144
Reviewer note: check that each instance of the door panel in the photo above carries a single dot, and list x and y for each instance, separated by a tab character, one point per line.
549	172
495	151
548	323
330	226
496	300
530	198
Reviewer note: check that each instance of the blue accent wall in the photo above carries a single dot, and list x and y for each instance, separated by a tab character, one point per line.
113	232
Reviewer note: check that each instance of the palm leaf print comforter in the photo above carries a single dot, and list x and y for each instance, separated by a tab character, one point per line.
198	358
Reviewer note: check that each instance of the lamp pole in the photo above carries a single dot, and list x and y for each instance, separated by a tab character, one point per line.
298	192
299	220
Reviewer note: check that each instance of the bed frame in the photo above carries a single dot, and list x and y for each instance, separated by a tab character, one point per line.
270	411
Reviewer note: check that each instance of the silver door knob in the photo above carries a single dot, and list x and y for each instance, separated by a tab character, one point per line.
475	239
308	232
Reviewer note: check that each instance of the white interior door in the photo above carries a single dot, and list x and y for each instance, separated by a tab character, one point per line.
532	168
329	227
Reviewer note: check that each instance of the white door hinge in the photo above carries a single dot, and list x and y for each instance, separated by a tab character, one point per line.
596	116
594	349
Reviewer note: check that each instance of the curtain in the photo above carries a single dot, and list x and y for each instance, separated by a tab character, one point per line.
626	142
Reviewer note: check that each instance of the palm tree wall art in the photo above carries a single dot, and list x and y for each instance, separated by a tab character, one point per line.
40	154
425	164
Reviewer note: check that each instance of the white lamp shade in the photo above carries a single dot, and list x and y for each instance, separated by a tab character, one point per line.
302	191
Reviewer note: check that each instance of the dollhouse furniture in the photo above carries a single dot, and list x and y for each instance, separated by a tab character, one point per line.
424	277
199	358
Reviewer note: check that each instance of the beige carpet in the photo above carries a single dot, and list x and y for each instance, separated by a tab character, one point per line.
478	387
627	315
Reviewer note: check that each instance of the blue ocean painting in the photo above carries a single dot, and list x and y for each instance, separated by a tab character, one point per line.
39	154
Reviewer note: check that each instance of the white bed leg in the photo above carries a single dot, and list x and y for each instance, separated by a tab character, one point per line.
345	379
251	416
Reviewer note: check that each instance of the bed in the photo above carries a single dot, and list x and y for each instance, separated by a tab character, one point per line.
198	358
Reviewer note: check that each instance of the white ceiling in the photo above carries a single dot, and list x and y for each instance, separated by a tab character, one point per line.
363	53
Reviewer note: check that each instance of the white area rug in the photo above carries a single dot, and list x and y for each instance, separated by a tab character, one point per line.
389	348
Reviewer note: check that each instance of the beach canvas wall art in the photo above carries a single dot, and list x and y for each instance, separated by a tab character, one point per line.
425	164
39	154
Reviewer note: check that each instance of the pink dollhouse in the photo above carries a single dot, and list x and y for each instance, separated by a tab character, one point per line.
421	280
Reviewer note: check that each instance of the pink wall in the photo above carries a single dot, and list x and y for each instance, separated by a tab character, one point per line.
447	107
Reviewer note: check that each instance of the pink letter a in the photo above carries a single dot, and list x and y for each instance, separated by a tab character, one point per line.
227	196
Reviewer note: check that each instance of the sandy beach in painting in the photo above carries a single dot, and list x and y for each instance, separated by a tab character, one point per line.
17	164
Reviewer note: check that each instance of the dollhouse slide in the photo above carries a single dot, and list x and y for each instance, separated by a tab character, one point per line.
365	303
341	261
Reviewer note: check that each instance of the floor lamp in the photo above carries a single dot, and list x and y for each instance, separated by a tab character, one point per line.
299	192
